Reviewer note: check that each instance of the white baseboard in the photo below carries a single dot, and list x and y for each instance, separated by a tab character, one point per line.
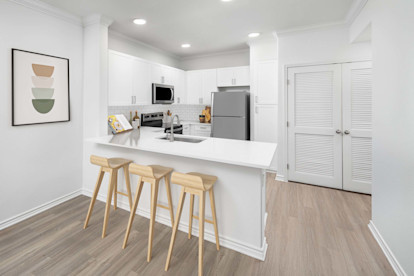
280	177
387	251
236	245
27	214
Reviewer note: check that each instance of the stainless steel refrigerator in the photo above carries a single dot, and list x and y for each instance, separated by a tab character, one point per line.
231	115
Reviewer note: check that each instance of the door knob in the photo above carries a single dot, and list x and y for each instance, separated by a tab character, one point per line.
347	132
338	131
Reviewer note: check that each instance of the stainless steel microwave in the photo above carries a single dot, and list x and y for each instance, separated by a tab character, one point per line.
162	94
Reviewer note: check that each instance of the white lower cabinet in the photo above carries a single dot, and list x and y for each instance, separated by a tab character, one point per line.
197	129
202	130
187	129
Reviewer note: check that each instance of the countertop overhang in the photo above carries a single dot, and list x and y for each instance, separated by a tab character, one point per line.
235	152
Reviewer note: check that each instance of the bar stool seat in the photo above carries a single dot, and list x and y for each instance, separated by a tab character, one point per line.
208	180
116	163
151	174
110	165
194	183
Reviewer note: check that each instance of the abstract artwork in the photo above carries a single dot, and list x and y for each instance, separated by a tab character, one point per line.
40	88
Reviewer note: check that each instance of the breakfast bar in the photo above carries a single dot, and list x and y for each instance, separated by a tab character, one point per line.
239	192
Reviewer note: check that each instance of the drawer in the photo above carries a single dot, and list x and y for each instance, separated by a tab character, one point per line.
202	133
202	128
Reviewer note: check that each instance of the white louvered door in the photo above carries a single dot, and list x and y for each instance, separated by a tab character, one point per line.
314	115
357	126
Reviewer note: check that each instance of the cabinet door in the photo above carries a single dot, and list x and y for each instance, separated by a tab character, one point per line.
167	75
225	77
265	123
241	76
141	82
157	72
357	126
179	82
209	85
120	76
194	87
186	129
266	82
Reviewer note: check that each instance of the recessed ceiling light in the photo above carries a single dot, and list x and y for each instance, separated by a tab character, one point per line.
226	0
186	45
140	21
254	34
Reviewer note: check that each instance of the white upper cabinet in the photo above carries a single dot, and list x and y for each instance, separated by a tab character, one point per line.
200	84
233	76
225	77
266	82
161	74
179	82
209	83
194	87
141	82
120	80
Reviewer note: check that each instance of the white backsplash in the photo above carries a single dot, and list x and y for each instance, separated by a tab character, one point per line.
186	112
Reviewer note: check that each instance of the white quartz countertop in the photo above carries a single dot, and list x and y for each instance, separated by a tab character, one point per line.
236	152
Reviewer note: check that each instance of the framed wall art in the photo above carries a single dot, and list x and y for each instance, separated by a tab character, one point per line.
40	88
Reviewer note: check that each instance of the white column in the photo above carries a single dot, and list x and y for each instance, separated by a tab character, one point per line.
95	82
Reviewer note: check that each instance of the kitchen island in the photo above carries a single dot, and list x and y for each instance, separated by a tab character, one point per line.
239	192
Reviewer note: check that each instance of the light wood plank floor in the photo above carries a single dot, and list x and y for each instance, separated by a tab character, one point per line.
310	231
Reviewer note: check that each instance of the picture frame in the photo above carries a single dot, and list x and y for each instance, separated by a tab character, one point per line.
40	88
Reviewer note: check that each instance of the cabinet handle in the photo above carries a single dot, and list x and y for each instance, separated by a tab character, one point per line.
235	81
200	100
135	99
346	132
178	99
132	99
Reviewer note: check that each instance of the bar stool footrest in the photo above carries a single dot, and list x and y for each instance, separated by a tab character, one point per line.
206	220
121	193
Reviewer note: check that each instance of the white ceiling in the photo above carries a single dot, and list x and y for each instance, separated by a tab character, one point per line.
208	25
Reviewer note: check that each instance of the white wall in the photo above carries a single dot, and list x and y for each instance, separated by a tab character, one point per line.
39	163
225	59
323	45
393	127
126	45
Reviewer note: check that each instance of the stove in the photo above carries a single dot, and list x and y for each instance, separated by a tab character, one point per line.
156	120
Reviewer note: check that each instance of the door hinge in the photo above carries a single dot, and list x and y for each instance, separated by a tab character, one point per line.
288	82
287	166
287	124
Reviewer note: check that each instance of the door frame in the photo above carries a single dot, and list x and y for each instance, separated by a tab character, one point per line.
283	172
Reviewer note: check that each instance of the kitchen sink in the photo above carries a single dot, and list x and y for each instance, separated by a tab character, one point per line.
183	139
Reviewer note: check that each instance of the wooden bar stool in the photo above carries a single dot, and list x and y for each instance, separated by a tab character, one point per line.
151	174
194	184
110	165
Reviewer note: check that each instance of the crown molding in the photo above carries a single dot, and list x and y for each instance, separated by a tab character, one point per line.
97	19
50	10
136	41
311	28
269	37
223	53
355	10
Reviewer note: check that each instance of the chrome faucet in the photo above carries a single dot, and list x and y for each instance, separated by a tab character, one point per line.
172	127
